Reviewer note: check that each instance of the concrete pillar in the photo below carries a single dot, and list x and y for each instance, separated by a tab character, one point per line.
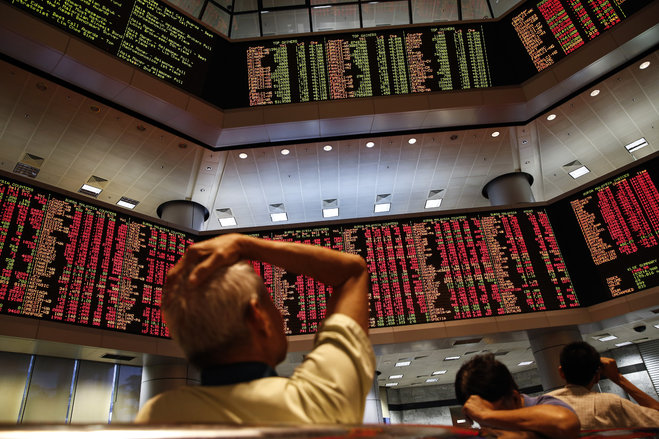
373	408
183	213
160	374
546	345
511	188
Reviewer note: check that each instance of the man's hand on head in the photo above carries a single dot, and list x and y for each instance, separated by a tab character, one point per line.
609	369
477	409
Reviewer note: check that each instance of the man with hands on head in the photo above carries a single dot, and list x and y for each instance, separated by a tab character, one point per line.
219	312
582	367
490	397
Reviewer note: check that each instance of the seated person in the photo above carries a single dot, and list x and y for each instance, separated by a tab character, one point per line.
490	396
582	367
219	312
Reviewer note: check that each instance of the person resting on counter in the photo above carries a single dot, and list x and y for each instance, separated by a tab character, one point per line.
220	313
581	367
489	395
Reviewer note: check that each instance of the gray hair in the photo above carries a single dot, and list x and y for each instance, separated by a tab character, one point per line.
210	319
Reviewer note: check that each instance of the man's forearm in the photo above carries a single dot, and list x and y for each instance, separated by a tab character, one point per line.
639	396
547	420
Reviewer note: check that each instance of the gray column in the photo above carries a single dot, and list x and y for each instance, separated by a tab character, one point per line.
546	345
160	374
511	188
373	408
183	213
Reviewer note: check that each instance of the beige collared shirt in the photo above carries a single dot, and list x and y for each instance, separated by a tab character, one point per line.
330	386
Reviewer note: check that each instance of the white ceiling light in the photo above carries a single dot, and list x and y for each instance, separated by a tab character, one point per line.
579	172
242	155
227	222
412	141
331	212
395	377
607	337
89	188
285	151
280	216
383	207
495	134
452	357
624	343
327	147
127	203
644	65
636	145
391	384
403	363
525	363
432	380
432	204
594	92
439	372
551	117
370	144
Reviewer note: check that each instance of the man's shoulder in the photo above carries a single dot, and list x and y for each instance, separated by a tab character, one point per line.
530	401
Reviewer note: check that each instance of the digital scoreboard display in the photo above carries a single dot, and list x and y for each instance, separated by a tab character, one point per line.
611	235
68	261
171	46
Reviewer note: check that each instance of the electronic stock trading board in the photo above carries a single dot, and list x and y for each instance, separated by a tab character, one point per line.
65	260
168	44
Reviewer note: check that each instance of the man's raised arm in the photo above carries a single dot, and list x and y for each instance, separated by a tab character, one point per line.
345	273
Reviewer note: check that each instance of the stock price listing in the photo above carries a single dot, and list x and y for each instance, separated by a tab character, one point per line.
68	261
435	269
618	234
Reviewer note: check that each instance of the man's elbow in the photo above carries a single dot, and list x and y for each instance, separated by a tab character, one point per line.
568	425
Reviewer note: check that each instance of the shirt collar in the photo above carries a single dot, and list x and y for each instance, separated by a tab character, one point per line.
234	373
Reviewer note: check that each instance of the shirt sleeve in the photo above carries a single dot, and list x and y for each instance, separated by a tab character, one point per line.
552	400
336	376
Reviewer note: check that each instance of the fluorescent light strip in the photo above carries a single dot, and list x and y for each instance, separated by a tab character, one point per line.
384	207
227	222
608	338
579	172
331	212
275	217
125	204
93	189
403	363
635	146
395	377
439	372
432	204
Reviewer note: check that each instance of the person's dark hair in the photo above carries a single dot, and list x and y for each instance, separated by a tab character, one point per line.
484	376
580	362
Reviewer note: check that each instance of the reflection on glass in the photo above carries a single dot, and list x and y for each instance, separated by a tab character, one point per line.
93	392
245	26
500	7
385	14
192	7
335	17
327	2
475	10
290	21
429	11
245	5
279	3
49	390
127	396
13	375
216	18
227	4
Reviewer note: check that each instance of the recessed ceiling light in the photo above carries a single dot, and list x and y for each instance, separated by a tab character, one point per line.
395	377
607	338
432	380
412	141
89	188
461	421
551	117
391	384
579	172
452	357
370	144
276	217
525	363
624	343
331	212
594	92
242	155
327	147
403	363
127	203
495	134
432	204
383	207
227	222
439	372
636	145
285	151
644	65
656	326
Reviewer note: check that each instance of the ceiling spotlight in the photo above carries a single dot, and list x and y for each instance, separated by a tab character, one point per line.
636	145
433	204
242	155
285	151
327	147
551	117
403	363
330	212
439	372
412	141
276	217
579	172
383	207
644	65
525	363
594	92
370	144
495	134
